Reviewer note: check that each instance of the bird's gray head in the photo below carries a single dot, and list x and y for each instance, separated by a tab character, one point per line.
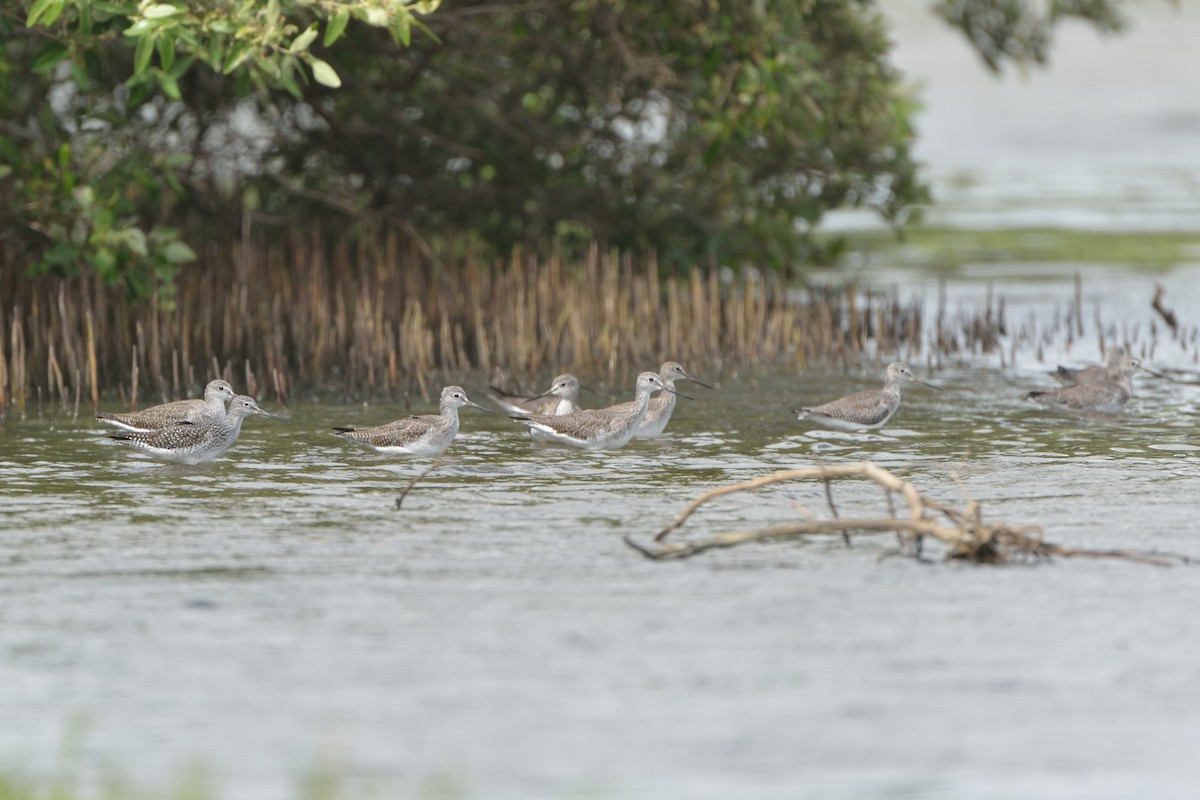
456	397
673	371
1130	364
244	406
898	370
650	382
218	388
565	386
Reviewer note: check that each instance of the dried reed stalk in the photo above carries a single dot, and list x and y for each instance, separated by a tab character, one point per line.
372	314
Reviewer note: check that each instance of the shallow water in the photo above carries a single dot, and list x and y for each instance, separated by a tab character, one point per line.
271	612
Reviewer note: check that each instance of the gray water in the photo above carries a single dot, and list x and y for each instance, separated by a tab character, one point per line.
1104	138
271	615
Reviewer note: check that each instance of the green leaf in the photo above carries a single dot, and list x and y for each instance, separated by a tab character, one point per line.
177	252
336	27
137	28
39	8
166	50
426	30
160	10
237	54
181	66
49	58
325	74
287	78
80	74
169	86
141	56
426	6
288	82
53	12
44	12
403	32
304	39
85	196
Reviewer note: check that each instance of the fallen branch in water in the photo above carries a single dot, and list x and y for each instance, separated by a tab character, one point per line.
964	533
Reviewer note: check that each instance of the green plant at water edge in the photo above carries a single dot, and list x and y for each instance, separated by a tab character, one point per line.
953	247
95	138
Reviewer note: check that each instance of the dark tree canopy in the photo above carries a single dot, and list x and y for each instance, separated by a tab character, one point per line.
704	130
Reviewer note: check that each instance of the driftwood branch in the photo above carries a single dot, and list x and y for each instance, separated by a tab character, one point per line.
963	533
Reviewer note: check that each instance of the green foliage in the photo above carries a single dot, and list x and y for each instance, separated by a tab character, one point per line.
704	130
93	116
708	131
1020	31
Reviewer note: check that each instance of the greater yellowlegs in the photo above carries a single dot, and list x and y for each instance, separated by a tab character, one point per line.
193	442
658	414
561	398
599	428
869	409
212	407
1102	395
425	435
1109	370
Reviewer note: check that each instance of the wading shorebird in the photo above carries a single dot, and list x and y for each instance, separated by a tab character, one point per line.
862	410
425	435
212	407
1069	376
194	442
598	428
1103	395
663	405
561	398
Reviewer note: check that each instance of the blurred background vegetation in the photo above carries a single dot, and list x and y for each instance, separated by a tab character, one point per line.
708	133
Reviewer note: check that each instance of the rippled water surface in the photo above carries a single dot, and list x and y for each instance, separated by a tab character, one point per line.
271	612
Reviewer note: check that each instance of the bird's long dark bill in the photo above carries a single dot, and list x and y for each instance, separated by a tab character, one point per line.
927	383
1159	375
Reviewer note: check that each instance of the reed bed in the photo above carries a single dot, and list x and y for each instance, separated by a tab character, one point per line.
378	317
